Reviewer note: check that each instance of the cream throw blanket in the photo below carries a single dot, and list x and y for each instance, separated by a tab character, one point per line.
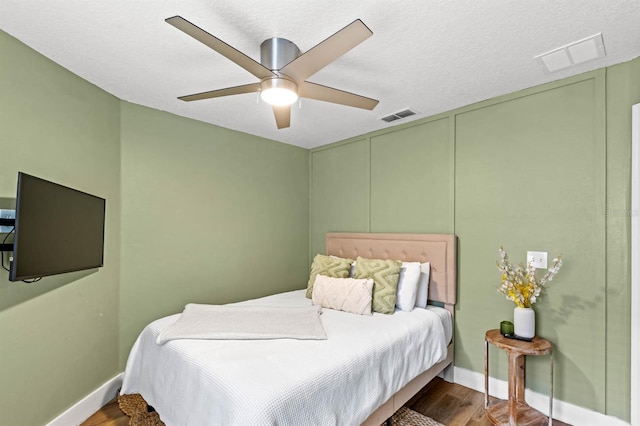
225	322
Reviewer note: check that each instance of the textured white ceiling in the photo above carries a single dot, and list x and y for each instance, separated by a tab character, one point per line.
432	56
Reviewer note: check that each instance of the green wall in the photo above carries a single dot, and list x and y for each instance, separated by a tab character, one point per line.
397	181
542	169
530	174
208	215
623	91
59	337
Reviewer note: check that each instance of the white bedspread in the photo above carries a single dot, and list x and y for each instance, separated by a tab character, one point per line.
338	381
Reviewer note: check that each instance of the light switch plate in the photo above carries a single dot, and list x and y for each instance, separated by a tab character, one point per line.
538	259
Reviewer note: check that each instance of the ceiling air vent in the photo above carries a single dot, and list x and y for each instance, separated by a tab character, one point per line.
398	115
575	53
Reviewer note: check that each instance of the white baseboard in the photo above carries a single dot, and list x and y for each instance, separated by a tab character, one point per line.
88	405
562	411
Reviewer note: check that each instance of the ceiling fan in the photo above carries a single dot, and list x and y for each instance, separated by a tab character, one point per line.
283	70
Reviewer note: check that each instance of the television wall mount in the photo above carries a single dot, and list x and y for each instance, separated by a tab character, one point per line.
10	223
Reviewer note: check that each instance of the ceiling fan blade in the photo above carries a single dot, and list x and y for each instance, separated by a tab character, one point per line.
283	116
327	51
237	90
336	96
254	67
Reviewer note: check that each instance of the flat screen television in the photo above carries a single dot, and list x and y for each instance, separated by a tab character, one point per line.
57	229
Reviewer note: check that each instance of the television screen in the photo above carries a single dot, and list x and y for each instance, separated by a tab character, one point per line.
57	229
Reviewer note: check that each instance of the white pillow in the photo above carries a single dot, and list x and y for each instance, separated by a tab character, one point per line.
423	285
408	286
343	294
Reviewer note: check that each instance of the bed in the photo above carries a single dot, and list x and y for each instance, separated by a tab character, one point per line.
366	369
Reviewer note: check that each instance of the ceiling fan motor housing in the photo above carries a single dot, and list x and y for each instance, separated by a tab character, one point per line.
277	52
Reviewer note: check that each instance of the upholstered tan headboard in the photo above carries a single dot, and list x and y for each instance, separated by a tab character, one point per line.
437	249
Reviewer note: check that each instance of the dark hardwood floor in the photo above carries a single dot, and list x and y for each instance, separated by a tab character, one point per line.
447	403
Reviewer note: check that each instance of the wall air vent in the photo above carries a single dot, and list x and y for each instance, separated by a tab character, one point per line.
407	112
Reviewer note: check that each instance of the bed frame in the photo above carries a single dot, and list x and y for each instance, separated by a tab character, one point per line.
437	249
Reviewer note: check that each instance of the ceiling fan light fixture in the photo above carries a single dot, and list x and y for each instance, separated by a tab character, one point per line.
279	91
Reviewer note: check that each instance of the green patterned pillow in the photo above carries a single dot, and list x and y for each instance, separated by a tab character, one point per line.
385	275
335	267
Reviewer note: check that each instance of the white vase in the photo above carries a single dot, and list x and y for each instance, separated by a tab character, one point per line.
524	322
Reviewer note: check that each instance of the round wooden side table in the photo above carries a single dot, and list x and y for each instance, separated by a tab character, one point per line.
515	411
